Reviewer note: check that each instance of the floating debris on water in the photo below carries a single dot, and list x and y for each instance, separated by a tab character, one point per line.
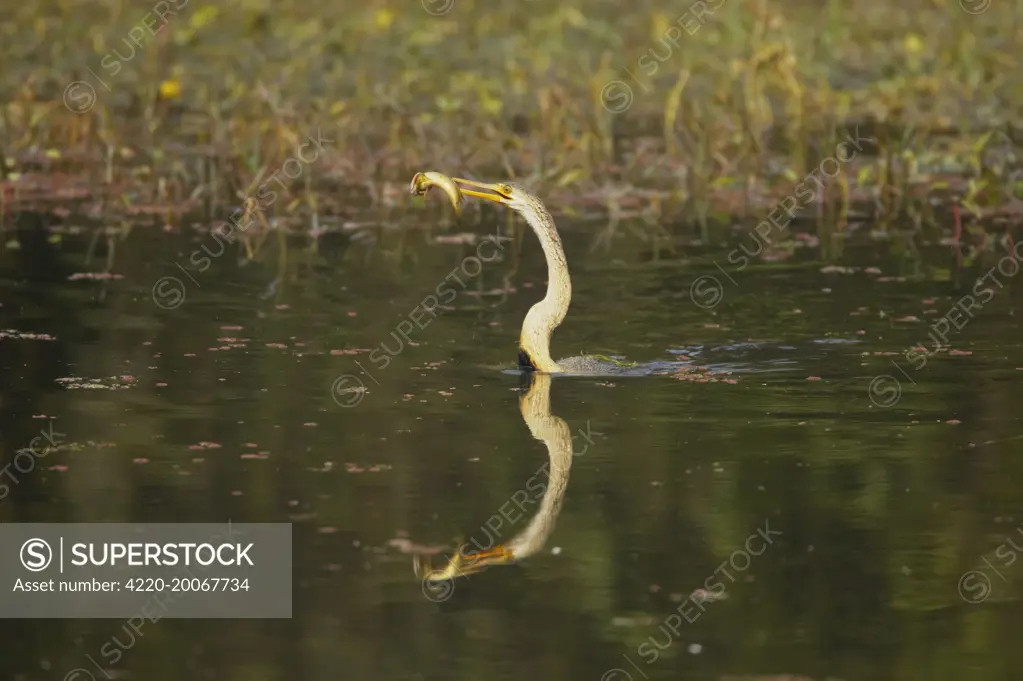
25	335
95	276
705	596
258	455
105	383
405	545
702	375
375	468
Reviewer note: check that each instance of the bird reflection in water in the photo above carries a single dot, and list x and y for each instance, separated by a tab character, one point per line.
552	430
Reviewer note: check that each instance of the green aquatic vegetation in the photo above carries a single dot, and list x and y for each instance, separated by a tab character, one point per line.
722	115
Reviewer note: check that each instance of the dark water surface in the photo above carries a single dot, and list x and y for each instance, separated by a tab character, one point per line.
848	512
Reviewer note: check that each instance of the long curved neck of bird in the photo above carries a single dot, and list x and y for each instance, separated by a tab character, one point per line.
545	316
553	432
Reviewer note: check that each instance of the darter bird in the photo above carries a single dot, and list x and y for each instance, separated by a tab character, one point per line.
547	315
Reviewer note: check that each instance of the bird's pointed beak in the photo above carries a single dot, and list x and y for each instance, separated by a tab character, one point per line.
491	192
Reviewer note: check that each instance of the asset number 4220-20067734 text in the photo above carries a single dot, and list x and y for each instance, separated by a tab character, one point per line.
187	584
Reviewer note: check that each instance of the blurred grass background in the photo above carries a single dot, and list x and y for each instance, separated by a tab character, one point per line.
179	105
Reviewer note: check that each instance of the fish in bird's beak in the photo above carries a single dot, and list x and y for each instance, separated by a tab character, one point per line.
423	182
456	188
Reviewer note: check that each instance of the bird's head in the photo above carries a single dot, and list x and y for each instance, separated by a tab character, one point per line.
515	197
505	193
